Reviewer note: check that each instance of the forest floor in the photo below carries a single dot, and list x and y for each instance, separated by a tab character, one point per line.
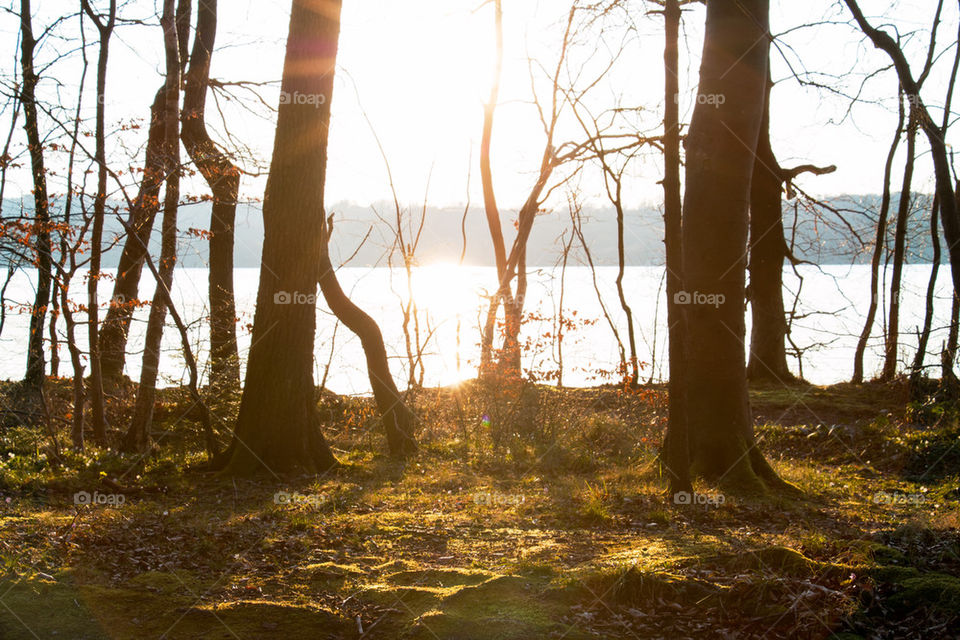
540	517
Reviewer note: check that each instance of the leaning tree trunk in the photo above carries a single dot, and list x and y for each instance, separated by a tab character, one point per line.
33	379
768	354
720	161
116	325
899	255
223	178
278	425
398	420
676	454
138	435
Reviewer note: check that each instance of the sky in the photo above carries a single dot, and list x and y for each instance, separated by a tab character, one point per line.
415	76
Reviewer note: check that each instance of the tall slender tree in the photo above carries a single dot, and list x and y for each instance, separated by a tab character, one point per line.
223	178
138	435
878	249
676	452
105	25
278	426
35	371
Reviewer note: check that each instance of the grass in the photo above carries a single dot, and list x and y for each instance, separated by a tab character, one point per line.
544	521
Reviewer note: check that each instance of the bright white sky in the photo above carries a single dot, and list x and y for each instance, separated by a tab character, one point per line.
421	71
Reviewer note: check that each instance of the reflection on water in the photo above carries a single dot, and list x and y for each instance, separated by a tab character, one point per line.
450	305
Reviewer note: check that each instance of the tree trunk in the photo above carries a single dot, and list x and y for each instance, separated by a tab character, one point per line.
223	178
879	244
676	455
899	255
278	426
95	389
138	436
35	371
397	419
768	355
720	162
916	370
116	325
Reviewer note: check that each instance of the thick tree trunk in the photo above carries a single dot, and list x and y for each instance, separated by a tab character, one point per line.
768	355
397	419
899	255
223	178
676	455
278	427
35	371
878	249
138	435
116	326
720	162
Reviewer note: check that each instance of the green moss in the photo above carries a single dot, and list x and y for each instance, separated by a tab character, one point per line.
938	591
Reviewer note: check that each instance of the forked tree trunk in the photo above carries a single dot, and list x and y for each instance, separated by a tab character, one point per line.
397	419
35	371
116	326
138	435
720	161
223	178
768	354
278	426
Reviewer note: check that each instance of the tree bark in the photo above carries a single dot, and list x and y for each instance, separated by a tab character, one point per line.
138	435
35	371
720	161
116	326
397	419
676	454
278	425
768	355
223	178
95	388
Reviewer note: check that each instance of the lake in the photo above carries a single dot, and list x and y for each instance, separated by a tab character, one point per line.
831	310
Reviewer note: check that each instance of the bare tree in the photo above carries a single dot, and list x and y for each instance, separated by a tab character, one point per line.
35	370
105	25
223	178
138	435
